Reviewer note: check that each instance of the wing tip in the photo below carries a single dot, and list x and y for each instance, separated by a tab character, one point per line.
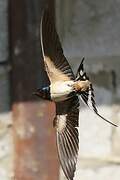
83	59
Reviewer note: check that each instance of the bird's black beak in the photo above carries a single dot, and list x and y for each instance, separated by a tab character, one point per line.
38	92
43	93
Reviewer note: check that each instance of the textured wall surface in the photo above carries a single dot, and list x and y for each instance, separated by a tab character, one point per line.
6	147
3	30
92	29
4	77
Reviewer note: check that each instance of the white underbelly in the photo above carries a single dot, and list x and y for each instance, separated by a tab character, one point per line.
60	90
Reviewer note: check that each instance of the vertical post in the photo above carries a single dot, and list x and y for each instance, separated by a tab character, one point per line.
35	148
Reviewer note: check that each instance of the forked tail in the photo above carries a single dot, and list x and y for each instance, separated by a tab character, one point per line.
88	96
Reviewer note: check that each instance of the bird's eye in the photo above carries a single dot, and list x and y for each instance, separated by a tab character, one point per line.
69	85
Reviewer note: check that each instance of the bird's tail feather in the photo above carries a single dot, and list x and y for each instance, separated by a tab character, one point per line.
88	96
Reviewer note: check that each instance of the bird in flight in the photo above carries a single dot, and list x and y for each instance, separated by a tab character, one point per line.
65	89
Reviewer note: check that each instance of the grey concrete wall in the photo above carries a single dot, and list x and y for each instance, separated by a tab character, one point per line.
4	53
93	30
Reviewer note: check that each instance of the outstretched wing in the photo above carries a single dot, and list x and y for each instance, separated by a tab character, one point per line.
88	95
66	123
56	64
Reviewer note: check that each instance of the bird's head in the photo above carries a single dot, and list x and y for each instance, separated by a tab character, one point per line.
43	93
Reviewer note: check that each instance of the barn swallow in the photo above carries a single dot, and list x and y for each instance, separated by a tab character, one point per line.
64	89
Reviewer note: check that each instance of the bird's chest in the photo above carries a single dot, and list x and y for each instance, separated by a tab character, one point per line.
60	90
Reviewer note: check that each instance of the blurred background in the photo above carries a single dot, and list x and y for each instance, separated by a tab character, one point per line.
27	138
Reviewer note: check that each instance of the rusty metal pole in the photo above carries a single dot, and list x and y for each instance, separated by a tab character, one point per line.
35	148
